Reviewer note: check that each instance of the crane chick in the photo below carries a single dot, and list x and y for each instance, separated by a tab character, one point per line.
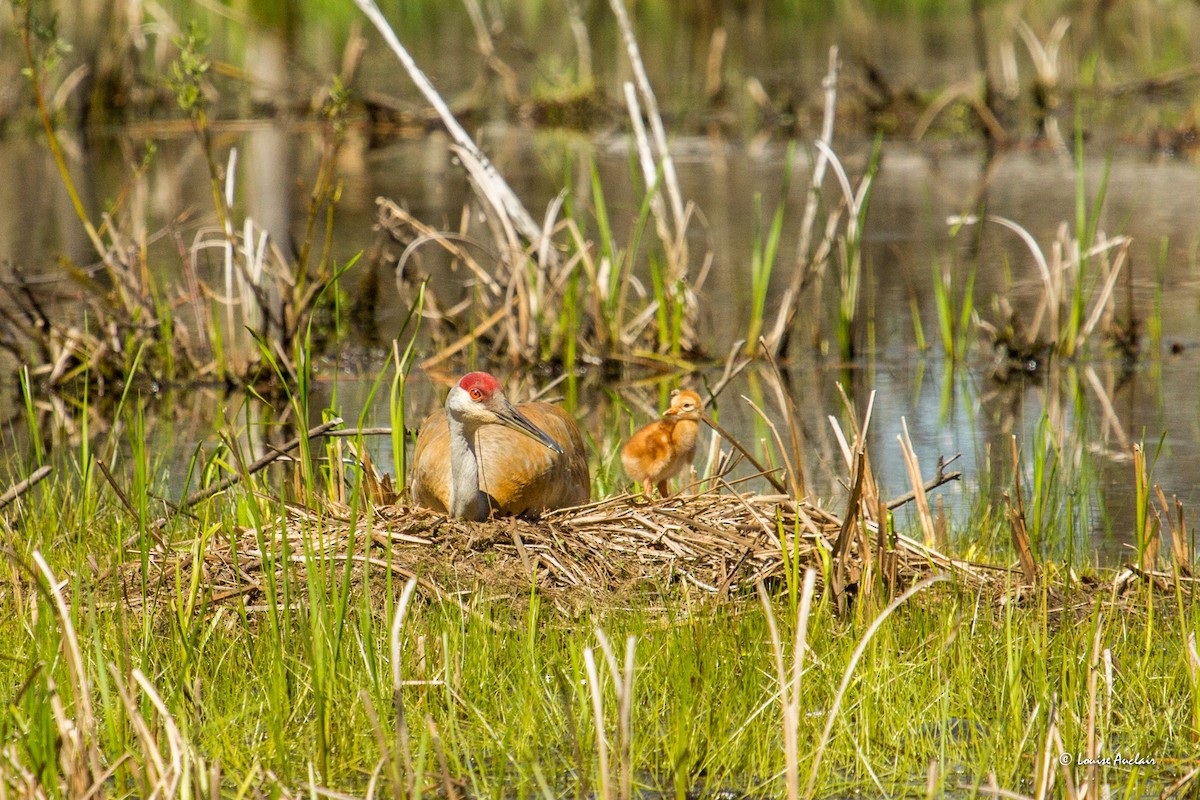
658	451
482	455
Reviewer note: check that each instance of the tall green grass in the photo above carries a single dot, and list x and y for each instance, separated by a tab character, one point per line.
498	697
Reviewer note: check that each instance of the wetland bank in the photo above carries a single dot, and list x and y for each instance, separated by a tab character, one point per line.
864	264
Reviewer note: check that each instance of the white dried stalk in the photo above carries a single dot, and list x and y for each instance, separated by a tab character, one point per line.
651	103
508	199
649	168
1102	302
809	219
227	247
593	678
168	783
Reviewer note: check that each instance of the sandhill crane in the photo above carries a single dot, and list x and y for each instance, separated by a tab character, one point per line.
658	451
481	455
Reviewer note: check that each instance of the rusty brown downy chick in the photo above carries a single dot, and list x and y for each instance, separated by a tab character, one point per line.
483	455
658	451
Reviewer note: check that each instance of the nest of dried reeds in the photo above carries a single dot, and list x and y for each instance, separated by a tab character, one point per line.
603	553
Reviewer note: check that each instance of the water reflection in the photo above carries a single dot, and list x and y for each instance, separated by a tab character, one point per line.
1085	416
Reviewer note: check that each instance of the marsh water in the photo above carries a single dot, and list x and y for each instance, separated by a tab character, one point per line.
1086	414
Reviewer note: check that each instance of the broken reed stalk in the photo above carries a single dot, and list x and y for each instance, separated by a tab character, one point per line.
622	678
16	490
939	478
865	492
670	179
787	463
805	263
769	474
673	235
795	432
593	679
1180	553
649	168
914	476
508	199
1016	519
841	547
257	466
79	731
394	219
403	744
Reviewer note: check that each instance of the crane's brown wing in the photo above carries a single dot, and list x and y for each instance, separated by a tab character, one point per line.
519	473
431	464
523	475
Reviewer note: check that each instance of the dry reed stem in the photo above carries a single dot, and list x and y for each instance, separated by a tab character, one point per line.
769	474
1179	787
914	476
1180	551
787	406
789	690
626	720
395	219
849	673
1093	782
806	263
623	681
175	742
16	490
670	179
84	720
649	168
841	546
403	741
508	200
593	679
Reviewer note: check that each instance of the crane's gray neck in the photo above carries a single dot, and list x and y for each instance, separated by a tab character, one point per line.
466	501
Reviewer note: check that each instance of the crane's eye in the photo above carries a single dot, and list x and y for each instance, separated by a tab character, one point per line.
476	393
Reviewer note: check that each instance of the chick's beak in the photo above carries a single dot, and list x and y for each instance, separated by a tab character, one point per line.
508	416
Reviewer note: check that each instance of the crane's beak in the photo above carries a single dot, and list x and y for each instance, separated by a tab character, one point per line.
509	417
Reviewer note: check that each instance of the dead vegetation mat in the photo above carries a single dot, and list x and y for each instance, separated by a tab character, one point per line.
612	552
